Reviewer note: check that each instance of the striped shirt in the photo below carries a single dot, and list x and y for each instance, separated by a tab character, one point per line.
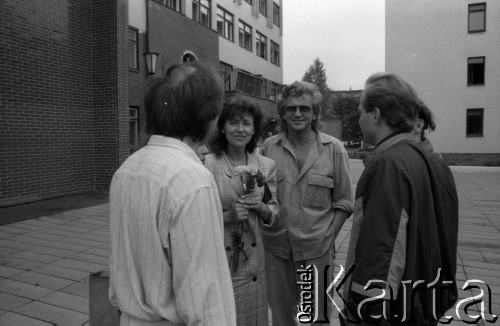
168	264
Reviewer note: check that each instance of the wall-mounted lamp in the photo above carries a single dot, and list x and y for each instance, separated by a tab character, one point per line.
151	61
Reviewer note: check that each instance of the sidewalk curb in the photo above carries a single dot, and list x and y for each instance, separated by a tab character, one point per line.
458	168
475	169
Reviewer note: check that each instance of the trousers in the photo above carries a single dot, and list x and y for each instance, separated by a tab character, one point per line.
289	291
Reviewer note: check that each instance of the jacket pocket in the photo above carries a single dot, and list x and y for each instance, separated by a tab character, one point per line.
319	191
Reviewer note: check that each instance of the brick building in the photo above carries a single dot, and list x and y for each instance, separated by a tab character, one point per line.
73	75
62	81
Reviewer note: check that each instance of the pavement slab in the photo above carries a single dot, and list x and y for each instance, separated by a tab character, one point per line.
22	289
43	280
62	272
68	301
14	319
78	288
7	272
80	265
23	264
10	302
52	314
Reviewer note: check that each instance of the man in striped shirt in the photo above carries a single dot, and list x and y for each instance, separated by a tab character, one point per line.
167	264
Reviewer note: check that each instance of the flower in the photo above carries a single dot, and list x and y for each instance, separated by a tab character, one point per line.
250	177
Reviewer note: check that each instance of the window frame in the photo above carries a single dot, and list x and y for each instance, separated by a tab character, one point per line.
197	13
225	72
471	11
258	44
472	113
225	22
263	8
276	15
275	91
243	42
136	44
272	55
188	56
470	73
171	4
134	120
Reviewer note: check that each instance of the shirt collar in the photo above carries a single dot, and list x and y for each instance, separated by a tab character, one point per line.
158	140
386	143
320	138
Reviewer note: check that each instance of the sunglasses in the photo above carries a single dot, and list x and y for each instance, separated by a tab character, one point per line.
304	109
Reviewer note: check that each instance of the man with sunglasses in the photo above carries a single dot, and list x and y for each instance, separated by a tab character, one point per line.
314	192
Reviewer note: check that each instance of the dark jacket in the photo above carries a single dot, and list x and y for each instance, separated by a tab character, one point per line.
405	229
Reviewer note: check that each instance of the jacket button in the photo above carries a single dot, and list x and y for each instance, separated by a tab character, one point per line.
253	244
254	279
228	248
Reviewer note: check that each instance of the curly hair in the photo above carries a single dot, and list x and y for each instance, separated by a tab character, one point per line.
299	88
236	107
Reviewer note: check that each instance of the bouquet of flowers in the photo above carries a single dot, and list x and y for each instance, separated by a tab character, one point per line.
250	177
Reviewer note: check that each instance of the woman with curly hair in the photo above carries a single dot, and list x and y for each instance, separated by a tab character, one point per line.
246	207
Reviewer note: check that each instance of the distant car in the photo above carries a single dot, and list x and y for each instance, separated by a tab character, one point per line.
352	143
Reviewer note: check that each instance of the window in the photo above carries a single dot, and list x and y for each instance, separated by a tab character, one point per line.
477	17
225	74
475	119
263	7
225	24
189	57
249	1
276	15
245	35
261	45
475	71
248	83
275	91
275	53
133	48
133	129
172	4
264	88
201	12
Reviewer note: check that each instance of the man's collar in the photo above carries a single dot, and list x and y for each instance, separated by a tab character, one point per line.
158	140
319	136
388	137
387	142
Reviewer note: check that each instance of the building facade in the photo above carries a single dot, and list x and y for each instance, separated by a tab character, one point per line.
73	76
448	50
242	39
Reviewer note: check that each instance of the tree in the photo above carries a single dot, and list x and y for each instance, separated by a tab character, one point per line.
346	109
316	75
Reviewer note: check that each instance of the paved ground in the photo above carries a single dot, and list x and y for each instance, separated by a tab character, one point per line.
45	262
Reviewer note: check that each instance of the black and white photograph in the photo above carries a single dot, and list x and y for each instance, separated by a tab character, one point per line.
249	162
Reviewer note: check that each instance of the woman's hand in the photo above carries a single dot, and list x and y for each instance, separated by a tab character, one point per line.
253	201
237	213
